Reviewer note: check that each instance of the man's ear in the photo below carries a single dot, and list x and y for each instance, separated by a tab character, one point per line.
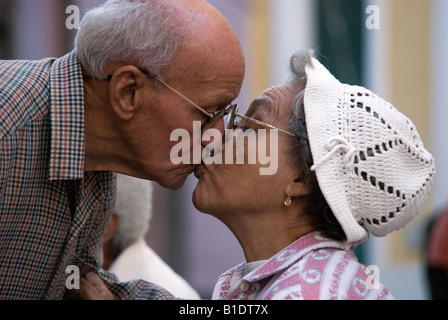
126	91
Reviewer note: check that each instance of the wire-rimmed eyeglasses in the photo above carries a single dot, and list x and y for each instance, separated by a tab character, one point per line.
230	120
228	114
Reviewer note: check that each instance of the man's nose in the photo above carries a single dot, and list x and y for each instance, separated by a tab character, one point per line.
218	124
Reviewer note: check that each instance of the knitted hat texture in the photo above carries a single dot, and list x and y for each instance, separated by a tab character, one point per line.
369	159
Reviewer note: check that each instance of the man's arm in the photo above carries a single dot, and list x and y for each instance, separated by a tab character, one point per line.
134	289
105	287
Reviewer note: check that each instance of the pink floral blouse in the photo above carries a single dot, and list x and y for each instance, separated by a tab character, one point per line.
313	267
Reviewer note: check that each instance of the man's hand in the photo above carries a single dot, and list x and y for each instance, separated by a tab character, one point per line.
93	288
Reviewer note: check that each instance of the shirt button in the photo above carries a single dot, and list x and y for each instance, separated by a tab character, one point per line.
243	296
244	286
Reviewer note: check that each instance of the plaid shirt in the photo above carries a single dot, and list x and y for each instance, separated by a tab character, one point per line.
52	213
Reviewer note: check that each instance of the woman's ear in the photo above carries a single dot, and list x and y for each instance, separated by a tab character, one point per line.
296	188
126	91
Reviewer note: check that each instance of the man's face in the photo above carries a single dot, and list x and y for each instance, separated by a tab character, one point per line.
211	79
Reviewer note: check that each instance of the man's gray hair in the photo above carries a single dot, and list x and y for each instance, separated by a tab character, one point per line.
140	32
133	207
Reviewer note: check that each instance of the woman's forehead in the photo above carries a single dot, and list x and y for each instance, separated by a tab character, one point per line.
275	97
278	93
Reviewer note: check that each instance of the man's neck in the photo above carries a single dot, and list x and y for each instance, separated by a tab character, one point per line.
101	140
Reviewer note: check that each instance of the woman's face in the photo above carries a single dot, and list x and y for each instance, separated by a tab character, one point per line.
226	188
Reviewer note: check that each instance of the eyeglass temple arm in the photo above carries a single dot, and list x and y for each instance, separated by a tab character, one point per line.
181	95
264	124
150	74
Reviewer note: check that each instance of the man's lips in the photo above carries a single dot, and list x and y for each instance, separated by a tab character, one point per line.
199	169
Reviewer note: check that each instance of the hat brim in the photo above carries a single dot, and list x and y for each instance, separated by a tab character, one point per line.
321	92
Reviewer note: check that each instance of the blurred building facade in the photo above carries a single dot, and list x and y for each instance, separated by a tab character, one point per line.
396	48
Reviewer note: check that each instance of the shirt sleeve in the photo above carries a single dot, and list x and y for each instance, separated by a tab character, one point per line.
135	289
92	249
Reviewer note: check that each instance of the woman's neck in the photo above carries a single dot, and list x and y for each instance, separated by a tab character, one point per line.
262	235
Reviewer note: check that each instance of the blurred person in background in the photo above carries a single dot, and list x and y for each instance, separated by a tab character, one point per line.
126	253
139	70
437	257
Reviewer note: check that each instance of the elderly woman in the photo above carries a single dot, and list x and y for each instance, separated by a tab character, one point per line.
348	164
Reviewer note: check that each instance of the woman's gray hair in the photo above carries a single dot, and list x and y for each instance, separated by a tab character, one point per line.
316	205
301	149
133	207
140	32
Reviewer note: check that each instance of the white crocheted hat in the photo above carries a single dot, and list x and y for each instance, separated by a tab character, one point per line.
369	160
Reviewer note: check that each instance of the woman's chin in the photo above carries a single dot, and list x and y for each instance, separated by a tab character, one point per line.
197	199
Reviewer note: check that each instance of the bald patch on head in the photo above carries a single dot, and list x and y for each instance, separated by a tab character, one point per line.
208	39
198	17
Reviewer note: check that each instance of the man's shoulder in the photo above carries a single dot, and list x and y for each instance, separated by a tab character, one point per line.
24	92
20	73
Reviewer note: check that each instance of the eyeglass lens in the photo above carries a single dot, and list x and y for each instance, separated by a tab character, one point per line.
229	118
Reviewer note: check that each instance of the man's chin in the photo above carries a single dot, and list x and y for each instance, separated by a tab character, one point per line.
173	184
175	180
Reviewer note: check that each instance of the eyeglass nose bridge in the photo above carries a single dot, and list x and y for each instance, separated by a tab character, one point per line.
222	114
230	116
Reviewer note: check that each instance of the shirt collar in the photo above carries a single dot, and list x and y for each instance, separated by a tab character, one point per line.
67	119
293	253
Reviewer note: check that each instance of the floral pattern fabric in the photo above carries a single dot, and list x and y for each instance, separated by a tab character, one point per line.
312	268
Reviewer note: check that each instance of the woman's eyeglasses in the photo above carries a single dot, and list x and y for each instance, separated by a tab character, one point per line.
231	113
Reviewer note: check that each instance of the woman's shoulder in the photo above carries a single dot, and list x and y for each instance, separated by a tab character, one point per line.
329	274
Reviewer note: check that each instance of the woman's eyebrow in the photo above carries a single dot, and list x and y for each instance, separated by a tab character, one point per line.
259	102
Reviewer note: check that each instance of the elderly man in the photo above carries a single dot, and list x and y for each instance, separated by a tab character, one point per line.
140	69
